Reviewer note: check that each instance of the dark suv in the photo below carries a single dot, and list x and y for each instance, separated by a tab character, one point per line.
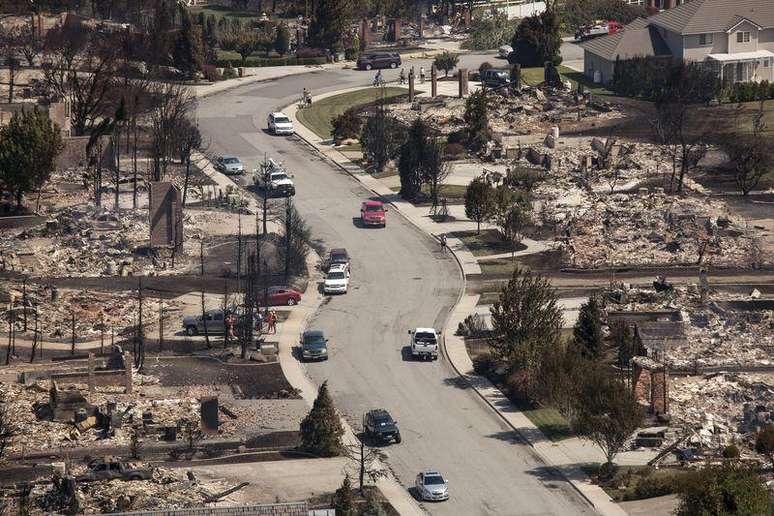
380	425
494	78
379	60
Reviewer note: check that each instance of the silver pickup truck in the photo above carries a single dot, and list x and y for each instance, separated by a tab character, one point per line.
424	343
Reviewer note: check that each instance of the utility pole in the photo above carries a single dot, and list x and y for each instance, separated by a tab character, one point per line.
72	332
102	334
35	338
161	324
24	302
204	312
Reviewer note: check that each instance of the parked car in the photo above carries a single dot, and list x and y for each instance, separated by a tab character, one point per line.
229	165
495	78
379	60
216	322
373	213
504	51
380	425
337	256
432	487
279	123
337	280
109	469
280	296
424	343
314	345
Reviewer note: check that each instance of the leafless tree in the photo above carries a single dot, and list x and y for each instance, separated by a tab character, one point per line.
8	429
9	48
750	153
187	139
436	169
368	461
171	104
84	74
29	44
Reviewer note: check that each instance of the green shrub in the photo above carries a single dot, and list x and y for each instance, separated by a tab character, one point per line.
229	72
731	452
457	137
656	485
260	62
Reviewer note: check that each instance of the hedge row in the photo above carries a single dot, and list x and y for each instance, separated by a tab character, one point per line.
750	91
259	62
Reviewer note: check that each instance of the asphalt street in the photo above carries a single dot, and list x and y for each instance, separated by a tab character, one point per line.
400	280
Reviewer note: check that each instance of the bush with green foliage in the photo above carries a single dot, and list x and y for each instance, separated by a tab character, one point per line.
653	485
478	201
728	489
537	40
656	78
347	125
229	72
260	62
491	29
764	442
321	429
477	107
343	499
282	39
446	61
749	91
731	452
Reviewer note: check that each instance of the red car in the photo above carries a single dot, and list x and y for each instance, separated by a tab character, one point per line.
373	213
282	296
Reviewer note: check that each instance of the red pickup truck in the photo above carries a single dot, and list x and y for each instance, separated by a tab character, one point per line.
373	213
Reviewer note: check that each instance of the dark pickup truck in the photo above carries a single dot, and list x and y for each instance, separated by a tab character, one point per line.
380	425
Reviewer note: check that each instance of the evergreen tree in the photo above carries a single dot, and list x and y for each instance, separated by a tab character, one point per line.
477	119
282	40
537	40
412	156
321	429
330	23
525	321
29	145
381	138
587	333
343	500
187	53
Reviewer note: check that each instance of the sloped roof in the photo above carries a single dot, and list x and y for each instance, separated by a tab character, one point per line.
636	39
703	16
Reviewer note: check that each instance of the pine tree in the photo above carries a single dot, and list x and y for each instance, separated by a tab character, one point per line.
282	40
412	156
321	429
187	53
330	23
343	501
29	144
588	329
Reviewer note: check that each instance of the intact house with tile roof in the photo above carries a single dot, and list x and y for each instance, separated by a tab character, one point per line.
735	37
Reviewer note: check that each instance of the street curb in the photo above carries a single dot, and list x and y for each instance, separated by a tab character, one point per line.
448	318
257	81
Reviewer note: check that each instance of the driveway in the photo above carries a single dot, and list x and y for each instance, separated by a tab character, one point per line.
399	281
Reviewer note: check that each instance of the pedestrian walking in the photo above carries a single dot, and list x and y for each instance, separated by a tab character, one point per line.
442	240
272	322
421	74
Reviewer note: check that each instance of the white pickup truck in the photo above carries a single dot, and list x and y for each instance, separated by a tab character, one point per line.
424	343
272	177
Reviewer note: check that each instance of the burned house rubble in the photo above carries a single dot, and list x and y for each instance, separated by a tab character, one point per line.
699	358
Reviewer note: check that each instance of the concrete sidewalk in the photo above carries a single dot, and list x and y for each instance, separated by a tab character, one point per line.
566	458
255	75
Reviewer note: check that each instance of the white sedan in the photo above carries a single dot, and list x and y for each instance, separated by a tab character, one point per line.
431	486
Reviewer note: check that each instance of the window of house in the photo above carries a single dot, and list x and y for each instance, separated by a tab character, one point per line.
705	39
743	37
766	62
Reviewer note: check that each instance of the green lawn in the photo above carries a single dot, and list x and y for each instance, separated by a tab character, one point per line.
553	425
534	76
320	115
486	243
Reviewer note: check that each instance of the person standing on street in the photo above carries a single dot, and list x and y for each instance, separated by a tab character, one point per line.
421	74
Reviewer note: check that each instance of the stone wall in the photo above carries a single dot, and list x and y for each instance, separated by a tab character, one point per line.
278	509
